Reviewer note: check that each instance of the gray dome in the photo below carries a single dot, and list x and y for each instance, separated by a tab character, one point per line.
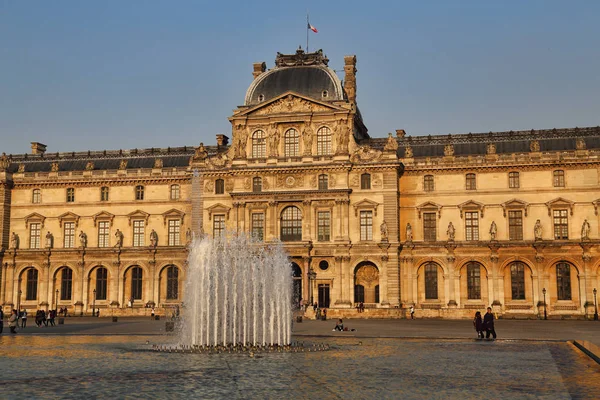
292	73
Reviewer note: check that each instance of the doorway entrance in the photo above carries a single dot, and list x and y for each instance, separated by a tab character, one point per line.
323	295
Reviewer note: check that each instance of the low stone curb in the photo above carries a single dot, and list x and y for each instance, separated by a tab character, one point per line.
590	349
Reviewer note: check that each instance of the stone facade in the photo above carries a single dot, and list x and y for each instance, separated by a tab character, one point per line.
450	223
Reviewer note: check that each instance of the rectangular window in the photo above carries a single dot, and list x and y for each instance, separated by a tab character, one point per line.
324	226
174	232
218	225
471	182
103	233
563	281
219	186
70	195
429	227
37	196
104	193
474	281
428	184
517	281
34	235
175	192
561	224
366	225
559	178
472	225
138	233
431	282
69	231
513	180
515	225
66	284
365	181
258	226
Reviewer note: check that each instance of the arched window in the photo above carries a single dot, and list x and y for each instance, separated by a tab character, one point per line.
517	280
101	283
36	196
259	145
257	184
431	281
470	182
323	182
172	283
32	282
219	186
136	283
428	185
66	283
175	192
291	143
324	141
563	281
365	181
104	193
297	285
139	192
291	224
473	281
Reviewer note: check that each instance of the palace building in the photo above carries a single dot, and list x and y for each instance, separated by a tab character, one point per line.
448	223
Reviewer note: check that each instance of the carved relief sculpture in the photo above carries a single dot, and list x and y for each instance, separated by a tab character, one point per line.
158	163
153	238
493	231
365	153
123	165
391	144
449	150
585	230
341	138
240	138
451	232
54	167
384	231
89	166
274	143
580	144
409	234
49	240
209	186
118	239
14	241
189	236
491	148
308	139
537	230
534	146
408	152
200	153
21	168
83	239
4	162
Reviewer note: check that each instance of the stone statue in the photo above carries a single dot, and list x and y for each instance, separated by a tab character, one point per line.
14	241
119	239
491	148
537	230
200	152
409	234
48	240
274	143
83	239
534	146
451	232
341	136
189	236
391	144
4	162
408	152
449	150
580	144
585	230
158	163
153	238
123	165
493	231
308	139
384	231
54	167
239	145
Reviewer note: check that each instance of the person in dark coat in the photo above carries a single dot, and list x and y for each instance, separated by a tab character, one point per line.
488	324
478	324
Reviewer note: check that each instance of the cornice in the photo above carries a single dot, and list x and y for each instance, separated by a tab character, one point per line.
447	168
108	181
293	193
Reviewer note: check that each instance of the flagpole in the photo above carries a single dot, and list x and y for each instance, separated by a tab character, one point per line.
307	24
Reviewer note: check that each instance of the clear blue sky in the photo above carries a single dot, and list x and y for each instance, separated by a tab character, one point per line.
80	75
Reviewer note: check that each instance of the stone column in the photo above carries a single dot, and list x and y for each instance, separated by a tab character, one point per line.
272	234
451	258
152	264
346	280
586	286
45	290
307	220
81	305
340	224
541	284
383	282
345	219
495	295
115	284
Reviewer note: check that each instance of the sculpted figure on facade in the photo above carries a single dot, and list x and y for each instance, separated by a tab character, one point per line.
585	230
408	152
409	233
83	241
240	139
153	238
341	138
451	232
54	167
4	162
14	241
493	231
534	146
21	168
200	153
158	163
118	239
89	166
274	142
491	148
308	140
537	230
449	150
384	231
49	240
123	165
189	236
580	144
391	144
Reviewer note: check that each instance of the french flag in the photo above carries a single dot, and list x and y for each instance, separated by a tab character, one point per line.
312	28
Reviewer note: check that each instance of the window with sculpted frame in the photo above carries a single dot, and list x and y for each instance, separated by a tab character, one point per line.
103	233
558	178
429	227
36	196
291	143
139	229
515	225
323	182
365	181
431	281
472	225
561	224
323	141
104	191
174	232
70	195
101	283
69	235
323	226
219	186
172	282
35	233
473	281
291	224
259	144
428	183
32	284
513	180
139	192
66	283
175	192
470	181
257	185
258	226
563	281
517	280
366	225
218	225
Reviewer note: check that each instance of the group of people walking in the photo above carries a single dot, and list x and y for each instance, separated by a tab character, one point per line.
19	319
485	324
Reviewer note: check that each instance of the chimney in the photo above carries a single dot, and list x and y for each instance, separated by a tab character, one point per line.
350	77
400	133
259	68
38	148
222	140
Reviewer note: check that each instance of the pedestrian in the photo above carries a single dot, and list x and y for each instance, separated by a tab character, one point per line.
315	307
52	315
478	325
1	320
12	321
24	319
152	313
362	307
44	318
488	324
412	312
98	313
324	317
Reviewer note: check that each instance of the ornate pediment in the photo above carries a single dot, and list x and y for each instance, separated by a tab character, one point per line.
287	103
138	214
560	203
471	205
103	216
218	209
173	214
68	217
365	204
515	204
365	154
34	217
429	206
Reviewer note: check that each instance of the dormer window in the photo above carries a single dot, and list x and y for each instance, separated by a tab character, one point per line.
261	98
325	94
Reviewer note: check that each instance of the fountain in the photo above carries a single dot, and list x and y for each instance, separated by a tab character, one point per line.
238	294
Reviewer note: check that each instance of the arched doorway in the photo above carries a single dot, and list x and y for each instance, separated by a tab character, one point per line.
297	285
366	283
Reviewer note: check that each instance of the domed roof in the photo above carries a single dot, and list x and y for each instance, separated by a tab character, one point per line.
304	73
